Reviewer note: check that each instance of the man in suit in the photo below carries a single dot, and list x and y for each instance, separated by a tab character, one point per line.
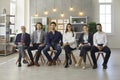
22	41
100	44
53	42
85	44
38	42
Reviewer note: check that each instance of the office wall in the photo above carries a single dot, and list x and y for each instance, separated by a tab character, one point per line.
114	38
90	8
5	4
85	5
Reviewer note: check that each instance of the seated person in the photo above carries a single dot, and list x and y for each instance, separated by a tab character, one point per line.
69	43
38	42
100	44
22	41
85	44
53	42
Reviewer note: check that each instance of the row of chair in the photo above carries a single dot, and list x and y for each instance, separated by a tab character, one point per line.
43	60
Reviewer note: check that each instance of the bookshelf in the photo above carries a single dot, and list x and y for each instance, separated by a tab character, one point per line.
77	24
6	27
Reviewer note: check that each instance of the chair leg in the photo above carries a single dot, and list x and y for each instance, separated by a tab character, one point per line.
26	57
35	54
64	62
89	59
80	61
103	56
73	57
98	56
42	59
58	61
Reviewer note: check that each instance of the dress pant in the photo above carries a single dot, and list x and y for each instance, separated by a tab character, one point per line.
34	47
105	49
21	49
68	50
83	51
55	47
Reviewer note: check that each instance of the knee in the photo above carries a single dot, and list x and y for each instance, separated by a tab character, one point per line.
45	50
28	48
39	48
107	50
59	49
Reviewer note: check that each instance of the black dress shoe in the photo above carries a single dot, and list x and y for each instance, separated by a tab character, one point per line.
104	66
66	66
70	61
95	67
19	65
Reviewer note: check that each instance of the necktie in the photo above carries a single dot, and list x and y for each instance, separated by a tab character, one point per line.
23	38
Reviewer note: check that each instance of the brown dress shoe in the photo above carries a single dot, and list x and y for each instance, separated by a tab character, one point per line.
49	63
37	64
31	64
54	62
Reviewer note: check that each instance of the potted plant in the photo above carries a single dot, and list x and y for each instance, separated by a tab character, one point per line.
92	27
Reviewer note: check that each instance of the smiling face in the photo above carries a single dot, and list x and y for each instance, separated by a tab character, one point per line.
69	27
39	27
52	26
99	28
85	29
23	29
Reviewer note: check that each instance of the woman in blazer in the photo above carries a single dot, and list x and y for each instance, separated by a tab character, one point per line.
69	43
85	44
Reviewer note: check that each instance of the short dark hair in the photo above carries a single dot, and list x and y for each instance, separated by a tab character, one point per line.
40	24
86	25
53	23
99	24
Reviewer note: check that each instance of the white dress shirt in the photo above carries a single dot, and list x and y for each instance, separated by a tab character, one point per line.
85	37
100	38
38	34
68	37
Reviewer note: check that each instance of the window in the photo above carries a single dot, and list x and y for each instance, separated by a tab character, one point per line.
12	15
105	15
12	7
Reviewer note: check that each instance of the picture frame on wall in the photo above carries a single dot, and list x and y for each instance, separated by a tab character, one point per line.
66	21
60	21
60	27
54	20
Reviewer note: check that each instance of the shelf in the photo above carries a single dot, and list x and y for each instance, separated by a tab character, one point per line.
78	23
2	24
6	23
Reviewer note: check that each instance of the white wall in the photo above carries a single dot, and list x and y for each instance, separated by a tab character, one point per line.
5	4
114	39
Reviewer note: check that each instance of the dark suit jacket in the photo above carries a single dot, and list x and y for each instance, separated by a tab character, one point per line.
27	39
90	38
54	39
